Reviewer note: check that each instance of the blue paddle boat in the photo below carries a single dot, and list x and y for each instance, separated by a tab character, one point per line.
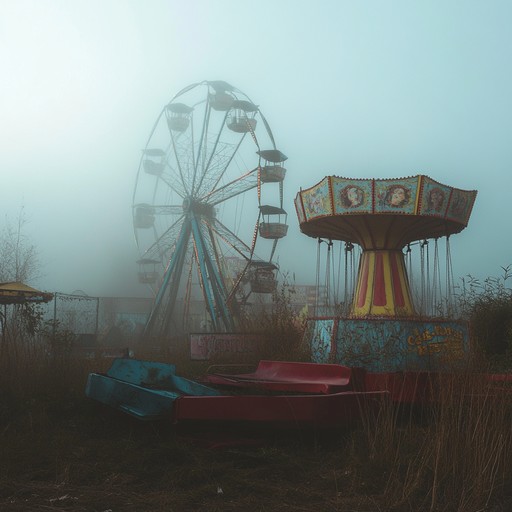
146	390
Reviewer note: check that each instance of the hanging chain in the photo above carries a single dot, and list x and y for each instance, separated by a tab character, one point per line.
408	264
349	278
425	278
450	281
437	303
328	274
317	282
337	297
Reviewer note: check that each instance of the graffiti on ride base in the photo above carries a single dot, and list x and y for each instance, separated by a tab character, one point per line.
204	347
436	340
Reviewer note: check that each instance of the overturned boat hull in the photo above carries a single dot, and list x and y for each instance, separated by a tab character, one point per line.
153	391
144	389
336	410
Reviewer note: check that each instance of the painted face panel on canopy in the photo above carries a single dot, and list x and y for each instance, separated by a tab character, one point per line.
435	199
398	196
354	196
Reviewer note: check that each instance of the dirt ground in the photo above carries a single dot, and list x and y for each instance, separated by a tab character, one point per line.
90	458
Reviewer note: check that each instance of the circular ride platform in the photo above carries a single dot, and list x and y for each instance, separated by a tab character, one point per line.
382	216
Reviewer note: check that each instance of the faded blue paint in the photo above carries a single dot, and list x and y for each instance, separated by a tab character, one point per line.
173	269
138	401
144	389
390	344
212	281
201	259
319	335
156	375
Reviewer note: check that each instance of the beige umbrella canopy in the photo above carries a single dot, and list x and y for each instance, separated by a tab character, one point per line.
19	293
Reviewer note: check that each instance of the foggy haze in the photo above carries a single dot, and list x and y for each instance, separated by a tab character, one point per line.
356	89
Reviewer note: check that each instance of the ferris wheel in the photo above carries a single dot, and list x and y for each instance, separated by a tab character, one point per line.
207	209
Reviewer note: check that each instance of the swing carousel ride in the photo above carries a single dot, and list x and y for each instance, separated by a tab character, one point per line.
207	210
381	327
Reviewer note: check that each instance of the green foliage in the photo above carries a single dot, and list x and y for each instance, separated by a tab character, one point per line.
281	327
488	306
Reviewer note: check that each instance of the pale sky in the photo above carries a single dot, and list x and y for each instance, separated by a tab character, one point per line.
363	89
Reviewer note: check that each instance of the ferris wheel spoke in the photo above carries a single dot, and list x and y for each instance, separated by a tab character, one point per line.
236	187
220	164
274	245
232	240
181	164
165	244
217	169
185	90
175	209
173	181
200	157
219	159
269	131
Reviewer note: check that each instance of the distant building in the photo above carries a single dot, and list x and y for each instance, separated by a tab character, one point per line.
307	297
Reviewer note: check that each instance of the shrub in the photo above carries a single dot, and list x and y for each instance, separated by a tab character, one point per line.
281	327
488	306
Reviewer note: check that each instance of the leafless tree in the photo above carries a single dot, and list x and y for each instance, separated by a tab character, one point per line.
18	262
18	257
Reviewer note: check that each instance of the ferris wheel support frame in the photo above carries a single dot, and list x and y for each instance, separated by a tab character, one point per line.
171	281
213	286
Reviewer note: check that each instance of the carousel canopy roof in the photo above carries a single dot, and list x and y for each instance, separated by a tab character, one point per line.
383	213
16	292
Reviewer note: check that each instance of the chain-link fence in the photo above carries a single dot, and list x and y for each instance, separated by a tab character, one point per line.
88	325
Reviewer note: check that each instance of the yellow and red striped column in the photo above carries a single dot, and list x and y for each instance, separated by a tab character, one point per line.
382	287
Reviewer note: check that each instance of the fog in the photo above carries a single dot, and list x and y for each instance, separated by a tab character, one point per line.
360	89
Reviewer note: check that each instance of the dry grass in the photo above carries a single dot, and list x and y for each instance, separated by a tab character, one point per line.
452	456
60	451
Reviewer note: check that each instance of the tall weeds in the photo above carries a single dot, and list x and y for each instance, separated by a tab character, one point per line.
454	457
281	328
488	307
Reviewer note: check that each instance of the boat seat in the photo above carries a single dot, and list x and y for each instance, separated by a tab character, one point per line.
295	377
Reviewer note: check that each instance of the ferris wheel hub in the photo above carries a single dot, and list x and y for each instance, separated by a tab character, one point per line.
193	206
